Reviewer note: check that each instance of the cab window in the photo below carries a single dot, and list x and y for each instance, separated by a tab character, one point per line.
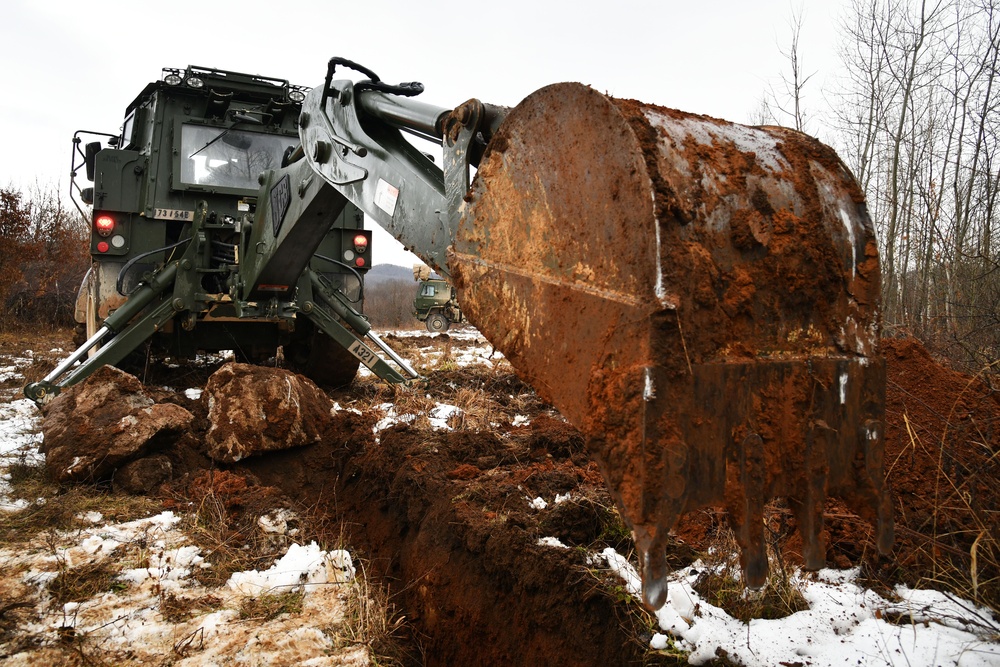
217	157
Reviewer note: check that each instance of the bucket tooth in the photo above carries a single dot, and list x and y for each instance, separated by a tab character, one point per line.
868	496
809	507
746	495
876	493
651	546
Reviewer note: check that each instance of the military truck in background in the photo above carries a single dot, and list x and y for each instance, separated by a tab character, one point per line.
436	301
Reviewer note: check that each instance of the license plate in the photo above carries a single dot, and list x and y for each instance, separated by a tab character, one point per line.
172	214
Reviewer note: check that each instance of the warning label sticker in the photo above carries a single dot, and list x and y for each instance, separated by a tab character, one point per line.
386	196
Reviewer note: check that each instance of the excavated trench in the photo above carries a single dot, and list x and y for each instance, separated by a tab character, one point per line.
445	519
449	521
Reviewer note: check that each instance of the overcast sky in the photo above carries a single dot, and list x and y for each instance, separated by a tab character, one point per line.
77	65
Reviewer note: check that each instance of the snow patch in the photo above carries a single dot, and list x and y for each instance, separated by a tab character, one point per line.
301	568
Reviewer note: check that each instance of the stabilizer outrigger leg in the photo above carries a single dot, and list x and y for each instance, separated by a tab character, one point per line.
127	336
338	303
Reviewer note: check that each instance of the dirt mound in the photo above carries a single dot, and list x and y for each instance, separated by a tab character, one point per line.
942	441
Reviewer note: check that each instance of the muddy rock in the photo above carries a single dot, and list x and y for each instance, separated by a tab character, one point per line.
252	409
143	475
99	425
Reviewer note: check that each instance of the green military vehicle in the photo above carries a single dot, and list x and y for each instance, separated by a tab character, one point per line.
194	250
436	301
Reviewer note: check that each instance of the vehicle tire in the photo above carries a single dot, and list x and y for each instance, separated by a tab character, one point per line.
317	356
437	323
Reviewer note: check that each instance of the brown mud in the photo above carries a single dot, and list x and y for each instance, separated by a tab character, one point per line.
444	518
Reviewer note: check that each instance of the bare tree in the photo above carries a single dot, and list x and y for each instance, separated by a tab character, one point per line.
789	102
389	304
43	258
918	123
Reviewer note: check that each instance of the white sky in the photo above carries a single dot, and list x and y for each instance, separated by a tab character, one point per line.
70	65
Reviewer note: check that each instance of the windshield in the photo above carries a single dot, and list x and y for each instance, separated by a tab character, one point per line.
212	156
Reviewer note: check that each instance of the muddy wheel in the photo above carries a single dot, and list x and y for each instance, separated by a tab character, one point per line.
317	356
436	323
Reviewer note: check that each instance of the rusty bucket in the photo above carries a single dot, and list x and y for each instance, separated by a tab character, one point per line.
699	298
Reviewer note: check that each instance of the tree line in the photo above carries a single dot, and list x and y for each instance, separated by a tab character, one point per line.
389	304
920	118
916	117
44	254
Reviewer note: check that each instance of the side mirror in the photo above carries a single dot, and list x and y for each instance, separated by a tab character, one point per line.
90	152
87	196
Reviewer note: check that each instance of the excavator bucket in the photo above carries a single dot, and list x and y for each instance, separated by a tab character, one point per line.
699	298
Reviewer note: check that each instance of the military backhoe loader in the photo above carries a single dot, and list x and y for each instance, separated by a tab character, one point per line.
699	298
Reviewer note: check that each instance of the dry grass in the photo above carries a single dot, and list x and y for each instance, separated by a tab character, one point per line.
268	606
374	621
53	508
965	561
175	609
232	542
85	581
225	524
478	408
721	582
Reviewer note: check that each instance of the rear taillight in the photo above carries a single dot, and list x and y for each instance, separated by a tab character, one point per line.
102	246
104	225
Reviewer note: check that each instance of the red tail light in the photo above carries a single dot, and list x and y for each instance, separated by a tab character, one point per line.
360	243
104	225
360	261
102	246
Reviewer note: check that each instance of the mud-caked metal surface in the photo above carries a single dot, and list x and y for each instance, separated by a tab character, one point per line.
698	297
